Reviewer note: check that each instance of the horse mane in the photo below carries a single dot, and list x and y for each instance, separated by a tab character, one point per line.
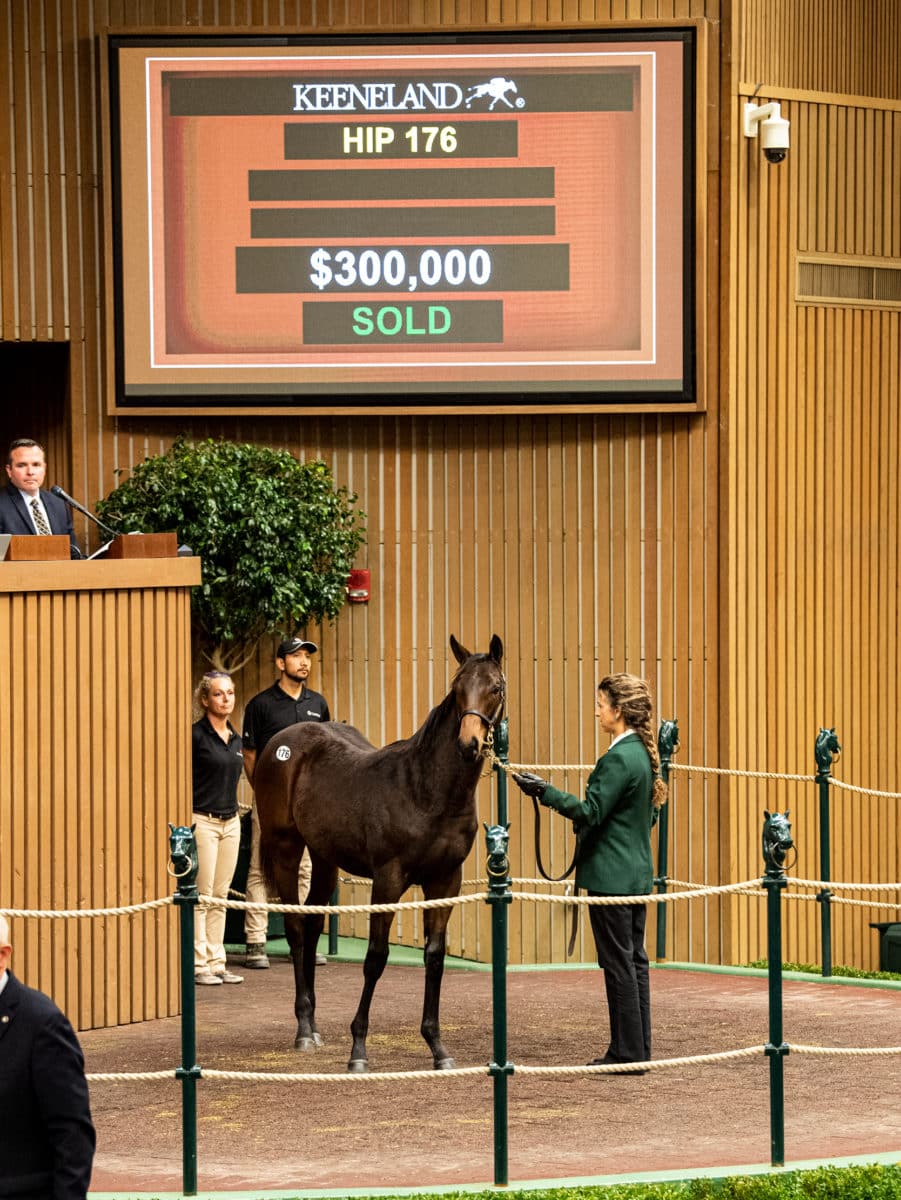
426	731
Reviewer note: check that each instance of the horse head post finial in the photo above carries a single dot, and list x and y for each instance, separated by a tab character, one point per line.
826	750
497	839
776	841
182	863
667	741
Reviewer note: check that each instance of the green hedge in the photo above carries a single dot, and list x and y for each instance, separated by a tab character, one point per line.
846	972
825	1183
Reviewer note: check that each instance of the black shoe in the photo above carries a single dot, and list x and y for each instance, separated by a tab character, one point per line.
611	1062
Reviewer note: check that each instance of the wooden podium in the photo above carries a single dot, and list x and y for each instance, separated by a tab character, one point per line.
97	740
38	548
144	545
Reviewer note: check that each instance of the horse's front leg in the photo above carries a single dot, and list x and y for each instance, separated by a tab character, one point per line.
285	860
373	967
435	926
306	1037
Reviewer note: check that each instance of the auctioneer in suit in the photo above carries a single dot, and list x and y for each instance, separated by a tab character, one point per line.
15	518
46	1134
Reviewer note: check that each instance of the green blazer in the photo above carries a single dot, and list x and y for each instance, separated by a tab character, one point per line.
613	822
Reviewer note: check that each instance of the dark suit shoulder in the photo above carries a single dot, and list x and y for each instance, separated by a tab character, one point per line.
29	1001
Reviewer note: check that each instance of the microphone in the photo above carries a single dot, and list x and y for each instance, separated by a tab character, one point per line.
56	490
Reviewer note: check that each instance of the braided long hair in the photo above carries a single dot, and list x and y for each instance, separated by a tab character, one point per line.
632	696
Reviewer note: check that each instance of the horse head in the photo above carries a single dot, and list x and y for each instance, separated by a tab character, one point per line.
182	853
776	840
826	748
480	690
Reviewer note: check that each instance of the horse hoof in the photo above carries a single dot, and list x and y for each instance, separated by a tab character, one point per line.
307	1043
358	1066
445	1064
317	1040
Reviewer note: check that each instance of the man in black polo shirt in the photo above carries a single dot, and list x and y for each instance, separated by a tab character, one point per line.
287	702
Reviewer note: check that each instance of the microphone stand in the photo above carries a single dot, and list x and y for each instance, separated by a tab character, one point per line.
107	530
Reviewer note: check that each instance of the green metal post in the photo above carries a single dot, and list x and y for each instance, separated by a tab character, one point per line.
667	744
189	1072
824	753
774	882
499	898
499	1068
502	752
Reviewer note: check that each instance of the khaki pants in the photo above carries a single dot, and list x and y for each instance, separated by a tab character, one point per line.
255	922
217	853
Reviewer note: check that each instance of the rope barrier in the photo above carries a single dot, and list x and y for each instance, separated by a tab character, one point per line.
693	888
130	1076
789	777
326	910
510	768
841	1051
674	766
847	887
422	1075
693	891
650	899
65	913
852	787
653	1065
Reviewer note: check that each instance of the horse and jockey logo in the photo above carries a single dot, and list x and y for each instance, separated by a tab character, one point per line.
497	88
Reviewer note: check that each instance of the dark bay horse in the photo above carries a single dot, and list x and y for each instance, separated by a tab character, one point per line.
402	815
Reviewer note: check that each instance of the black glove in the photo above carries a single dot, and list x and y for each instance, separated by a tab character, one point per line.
531	784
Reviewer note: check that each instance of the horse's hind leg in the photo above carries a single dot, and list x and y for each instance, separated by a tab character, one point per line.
373	967
435	927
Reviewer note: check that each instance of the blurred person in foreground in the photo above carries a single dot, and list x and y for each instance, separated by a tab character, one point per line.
47	1136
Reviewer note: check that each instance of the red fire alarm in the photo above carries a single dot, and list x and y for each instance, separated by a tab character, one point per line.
358	586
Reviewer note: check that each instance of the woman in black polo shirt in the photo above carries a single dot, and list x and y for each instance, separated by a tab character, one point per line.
217	763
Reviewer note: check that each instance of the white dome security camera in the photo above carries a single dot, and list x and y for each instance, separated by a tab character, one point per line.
773	129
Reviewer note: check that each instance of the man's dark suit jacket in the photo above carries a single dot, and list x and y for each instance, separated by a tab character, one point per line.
16	518
46	1133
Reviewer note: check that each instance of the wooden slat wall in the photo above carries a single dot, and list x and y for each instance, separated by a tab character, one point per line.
812	530
92	669
842	46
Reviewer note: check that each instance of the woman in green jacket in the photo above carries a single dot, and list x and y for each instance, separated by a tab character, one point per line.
613	857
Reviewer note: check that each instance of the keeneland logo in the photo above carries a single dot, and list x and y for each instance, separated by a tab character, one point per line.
410	97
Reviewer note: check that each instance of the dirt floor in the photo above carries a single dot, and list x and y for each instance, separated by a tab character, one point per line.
406	1134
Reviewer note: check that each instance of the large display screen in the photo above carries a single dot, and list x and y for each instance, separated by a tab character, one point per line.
388	225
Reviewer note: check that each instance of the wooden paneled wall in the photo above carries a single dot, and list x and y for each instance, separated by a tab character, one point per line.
744	560
813	446
839	46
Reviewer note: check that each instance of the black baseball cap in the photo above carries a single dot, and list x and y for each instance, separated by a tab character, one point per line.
292	645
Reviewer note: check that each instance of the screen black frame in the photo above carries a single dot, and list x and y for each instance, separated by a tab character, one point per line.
394	398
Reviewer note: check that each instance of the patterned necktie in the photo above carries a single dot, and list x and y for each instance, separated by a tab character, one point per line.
40	521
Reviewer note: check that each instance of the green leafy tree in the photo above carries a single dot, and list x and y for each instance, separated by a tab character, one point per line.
276	537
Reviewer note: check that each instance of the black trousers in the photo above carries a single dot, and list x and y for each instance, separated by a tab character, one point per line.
619	939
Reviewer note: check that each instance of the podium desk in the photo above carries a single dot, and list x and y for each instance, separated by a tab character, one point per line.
96	735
